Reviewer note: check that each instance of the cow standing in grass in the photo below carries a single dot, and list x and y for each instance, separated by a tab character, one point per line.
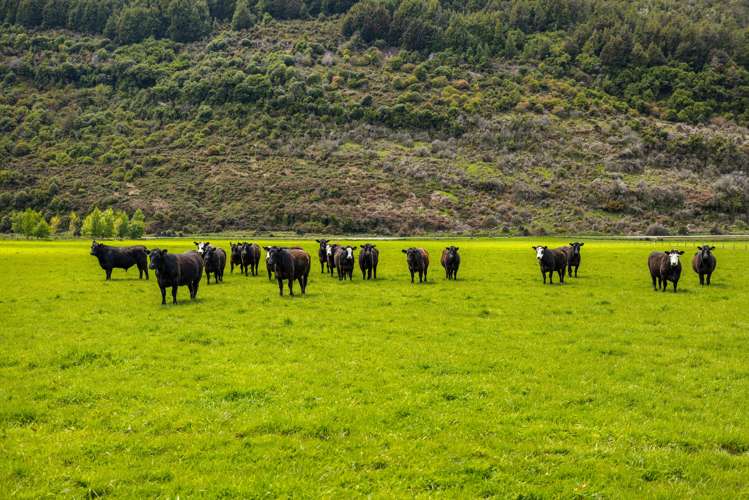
418	262
267	265
236	257
121	258
704	263
251	257
665	267
175	270
215	262
369	257
573	257
322	254
330	251
451	262
551	261
344	261
289	264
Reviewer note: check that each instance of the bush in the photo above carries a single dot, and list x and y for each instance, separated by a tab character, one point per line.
657	229
370	19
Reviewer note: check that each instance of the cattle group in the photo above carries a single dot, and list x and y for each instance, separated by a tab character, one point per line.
293	264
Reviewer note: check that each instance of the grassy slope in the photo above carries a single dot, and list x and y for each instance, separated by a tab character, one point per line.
494	384
549	163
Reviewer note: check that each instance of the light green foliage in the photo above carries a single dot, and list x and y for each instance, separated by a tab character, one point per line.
137	225
493	385
28	223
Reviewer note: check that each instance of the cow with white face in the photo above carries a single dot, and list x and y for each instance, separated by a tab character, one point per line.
665	267
344	261
202	246
330	251
551	261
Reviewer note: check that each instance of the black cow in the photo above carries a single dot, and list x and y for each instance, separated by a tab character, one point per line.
330	251
665	267
290	264
175	270
215	262
573	257
322	254
236	257
267	265
251	257
551	261
418	262
369	257
451	262
121	258
704	263
344	261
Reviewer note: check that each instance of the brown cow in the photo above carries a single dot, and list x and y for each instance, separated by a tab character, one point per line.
451	262
418	262
704	263
665	267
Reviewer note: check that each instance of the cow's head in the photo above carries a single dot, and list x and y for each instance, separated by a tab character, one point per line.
575	248
452	252
236	249
323	245
705	251
413	255
273	256
158	258
330	249
209	254
202	245
673	257
540	251
96	248
348	253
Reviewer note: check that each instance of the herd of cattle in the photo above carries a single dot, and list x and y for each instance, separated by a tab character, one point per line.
294	263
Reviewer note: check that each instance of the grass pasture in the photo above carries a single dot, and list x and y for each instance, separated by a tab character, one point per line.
494	385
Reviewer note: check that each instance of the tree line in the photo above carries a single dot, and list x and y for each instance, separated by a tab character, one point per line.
98	223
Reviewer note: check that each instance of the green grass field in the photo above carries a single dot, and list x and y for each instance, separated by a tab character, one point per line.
494	385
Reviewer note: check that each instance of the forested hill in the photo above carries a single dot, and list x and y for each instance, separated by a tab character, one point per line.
393	117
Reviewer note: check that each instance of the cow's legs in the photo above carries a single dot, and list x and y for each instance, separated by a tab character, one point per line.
174	294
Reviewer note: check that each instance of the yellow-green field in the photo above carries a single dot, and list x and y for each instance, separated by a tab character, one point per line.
494	385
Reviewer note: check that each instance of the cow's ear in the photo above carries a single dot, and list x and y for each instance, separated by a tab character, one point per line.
581	244
195	243
699	248
373	246
353	248
534	247
681	252
163	252
545	247
266	248
712	248
207	243
404	251
457	248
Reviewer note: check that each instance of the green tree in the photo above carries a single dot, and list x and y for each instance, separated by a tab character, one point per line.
55	14
92	224
42	229
107	223
30	12
137	224
26	222
135	24
243	17
222	9
370	19
120	225
54	224
74	224
188	20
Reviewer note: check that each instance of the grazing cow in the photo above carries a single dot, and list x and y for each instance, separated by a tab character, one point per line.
368	259
451	262
175	270
322	254
573	257
215	262
330	251
236	257
202	245
291	264
665	267
418	262
344	261
704	263
251	257
121	258
551	261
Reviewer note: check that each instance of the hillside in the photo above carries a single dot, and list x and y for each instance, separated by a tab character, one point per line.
292	125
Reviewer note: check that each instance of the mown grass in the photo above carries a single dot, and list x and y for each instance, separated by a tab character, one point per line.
491	385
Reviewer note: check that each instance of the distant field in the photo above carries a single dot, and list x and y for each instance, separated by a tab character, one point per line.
491	385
